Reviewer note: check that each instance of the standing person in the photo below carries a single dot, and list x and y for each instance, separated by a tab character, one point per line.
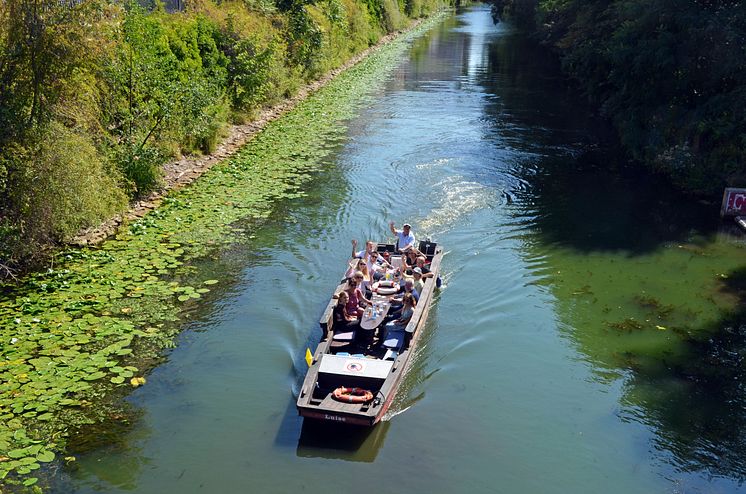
404	237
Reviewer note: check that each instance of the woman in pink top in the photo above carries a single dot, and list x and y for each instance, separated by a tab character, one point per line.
355	296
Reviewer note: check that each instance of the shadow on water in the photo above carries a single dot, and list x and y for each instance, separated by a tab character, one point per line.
589	204
342	442
576	187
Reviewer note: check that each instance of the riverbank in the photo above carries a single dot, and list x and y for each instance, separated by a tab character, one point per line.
87	330
179	173
103	95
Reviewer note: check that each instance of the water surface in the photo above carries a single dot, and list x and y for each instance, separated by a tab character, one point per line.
587	338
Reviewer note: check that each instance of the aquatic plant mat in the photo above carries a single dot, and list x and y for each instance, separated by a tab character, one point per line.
78	336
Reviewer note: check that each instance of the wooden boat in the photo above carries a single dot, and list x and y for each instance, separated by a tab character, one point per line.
353	365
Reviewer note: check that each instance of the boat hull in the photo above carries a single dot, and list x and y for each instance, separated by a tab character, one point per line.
315	401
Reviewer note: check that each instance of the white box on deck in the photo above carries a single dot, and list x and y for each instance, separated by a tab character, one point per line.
355	366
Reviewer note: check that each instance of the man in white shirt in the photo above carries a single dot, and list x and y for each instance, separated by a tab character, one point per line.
373	259
405	237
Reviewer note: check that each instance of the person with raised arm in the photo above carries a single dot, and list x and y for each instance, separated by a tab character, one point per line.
370	247
404	237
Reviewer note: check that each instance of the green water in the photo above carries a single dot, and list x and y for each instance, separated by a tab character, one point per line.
588	337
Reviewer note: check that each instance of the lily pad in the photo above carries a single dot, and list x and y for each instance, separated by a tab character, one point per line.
45	456
94	376
17	453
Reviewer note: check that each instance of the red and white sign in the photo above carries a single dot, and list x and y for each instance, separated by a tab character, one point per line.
354	367
734	202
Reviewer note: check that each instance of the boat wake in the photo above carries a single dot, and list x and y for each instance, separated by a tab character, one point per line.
459	197
393	413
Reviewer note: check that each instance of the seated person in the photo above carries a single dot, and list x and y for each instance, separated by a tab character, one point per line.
397	302
370	246
364	284
355	298
408	287
409	260
377	270
370	253
376	263
419	282
421	263
359	266
343	320
405	315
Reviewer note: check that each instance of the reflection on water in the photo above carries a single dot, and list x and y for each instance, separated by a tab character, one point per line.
643	284
589	336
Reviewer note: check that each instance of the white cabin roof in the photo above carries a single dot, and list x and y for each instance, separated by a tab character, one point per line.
355	366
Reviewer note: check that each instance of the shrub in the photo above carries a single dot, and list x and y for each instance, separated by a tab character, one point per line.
392	17
60	184
165	81
249	73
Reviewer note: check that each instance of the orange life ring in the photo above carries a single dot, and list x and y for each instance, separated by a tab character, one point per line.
352	395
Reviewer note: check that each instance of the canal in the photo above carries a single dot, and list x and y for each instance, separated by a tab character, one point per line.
587	338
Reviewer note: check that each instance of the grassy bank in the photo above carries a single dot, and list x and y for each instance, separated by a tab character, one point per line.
669	75
98	95
84	332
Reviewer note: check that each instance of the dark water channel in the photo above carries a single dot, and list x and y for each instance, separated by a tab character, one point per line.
587	338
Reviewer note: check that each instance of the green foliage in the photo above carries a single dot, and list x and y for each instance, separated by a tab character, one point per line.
304	40
96	96
165	82
670	75
386	14
60	184
520	12
393	19
375	10
41	44
250	73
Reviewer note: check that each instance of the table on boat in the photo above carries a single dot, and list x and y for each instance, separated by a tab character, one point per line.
373	316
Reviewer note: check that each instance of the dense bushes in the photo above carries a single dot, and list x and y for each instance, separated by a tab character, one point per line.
670	75
95	96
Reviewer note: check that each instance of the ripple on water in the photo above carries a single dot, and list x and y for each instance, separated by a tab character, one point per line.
437	163
458	198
